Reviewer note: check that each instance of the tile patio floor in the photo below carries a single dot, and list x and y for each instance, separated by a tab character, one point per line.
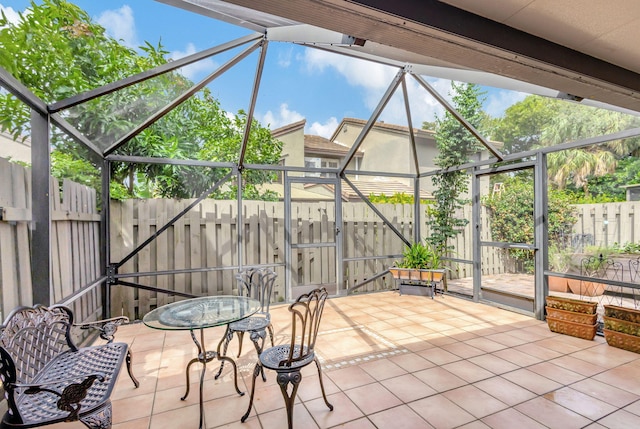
392	361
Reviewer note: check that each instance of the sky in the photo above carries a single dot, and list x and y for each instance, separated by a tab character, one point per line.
298	82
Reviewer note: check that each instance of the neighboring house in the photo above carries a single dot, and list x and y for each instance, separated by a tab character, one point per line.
385	149
15	150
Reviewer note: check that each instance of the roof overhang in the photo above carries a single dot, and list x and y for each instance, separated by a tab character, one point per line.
439	40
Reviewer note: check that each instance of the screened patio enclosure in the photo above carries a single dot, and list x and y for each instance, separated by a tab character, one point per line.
146	252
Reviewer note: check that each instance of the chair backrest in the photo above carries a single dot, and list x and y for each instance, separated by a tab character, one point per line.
32	337
306	314
257	283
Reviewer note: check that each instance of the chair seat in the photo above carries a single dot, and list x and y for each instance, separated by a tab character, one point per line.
272	357
104	360
254	323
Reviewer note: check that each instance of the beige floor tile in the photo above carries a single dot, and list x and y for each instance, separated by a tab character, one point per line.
517	357
350	377
485	344
381	369
439	379
493	363
363	423
621	419
556	373
511	419
622	377
372	398
551	414
408	388
505	391
532	381
411	362
605	392
343	411
401	417
439	356
463	349
581	403
440	412
578	365
475	401
468	371
132	408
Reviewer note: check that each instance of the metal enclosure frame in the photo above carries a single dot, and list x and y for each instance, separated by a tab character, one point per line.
44	115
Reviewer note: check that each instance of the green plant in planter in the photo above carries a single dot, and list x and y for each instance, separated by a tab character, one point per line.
420	256
559	259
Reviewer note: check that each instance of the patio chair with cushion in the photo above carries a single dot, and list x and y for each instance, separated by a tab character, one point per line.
288	359
254	283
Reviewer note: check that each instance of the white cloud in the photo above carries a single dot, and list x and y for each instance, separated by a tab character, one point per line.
374	79
500	101
120	25
281	118
325	130
195	71
11	14
284	57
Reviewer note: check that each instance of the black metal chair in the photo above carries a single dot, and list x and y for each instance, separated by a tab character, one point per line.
288	359
254	283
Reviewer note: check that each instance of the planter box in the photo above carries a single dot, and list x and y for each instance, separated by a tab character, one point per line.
571	316
420	275
622	313
623	326
622	340
580	330
569	304
422	282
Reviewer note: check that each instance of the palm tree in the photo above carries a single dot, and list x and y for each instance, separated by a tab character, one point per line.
575	122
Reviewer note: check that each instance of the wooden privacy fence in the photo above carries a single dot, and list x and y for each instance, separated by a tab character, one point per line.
74	242
207	237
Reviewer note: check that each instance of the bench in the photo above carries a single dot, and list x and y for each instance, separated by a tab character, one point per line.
48	379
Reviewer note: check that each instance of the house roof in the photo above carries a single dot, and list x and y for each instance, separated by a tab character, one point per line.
323	146
372	187
382	125
286	129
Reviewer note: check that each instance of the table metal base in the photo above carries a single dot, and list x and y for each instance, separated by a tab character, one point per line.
204	357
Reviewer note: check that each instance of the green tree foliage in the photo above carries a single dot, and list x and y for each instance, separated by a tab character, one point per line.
455	145
538	122
511	216
57	51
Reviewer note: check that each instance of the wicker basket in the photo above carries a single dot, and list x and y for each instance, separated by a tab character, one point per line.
622	340
571	316
587	332
569	304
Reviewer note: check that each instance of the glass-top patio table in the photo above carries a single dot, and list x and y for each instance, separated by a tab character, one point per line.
201	313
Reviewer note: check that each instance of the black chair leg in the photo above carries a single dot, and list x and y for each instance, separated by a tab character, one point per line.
130	369
256	370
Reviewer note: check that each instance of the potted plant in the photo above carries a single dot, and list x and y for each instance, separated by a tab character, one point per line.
421	265
559	261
